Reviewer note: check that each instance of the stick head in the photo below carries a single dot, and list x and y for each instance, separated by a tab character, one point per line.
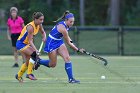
105	62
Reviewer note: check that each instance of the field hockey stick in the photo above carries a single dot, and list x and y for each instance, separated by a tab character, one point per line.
98	57
40	48
132	82
37	56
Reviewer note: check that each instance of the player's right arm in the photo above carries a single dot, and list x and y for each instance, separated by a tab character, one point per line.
30	37
8	33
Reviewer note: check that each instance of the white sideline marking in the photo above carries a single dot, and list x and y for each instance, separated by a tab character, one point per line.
82	82
110	82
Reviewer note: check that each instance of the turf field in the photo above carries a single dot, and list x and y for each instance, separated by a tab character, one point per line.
122	76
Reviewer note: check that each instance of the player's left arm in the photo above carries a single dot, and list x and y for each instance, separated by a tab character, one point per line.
67	38
43	33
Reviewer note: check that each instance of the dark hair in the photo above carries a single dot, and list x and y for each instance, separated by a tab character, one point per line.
63	16
37	15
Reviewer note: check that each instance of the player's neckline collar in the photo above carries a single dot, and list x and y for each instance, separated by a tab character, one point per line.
66	24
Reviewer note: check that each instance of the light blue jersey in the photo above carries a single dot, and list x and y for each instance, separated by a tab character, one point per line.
55	39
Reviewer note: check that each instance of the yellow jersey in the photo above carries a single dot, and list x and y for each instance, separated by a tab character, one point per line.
23	36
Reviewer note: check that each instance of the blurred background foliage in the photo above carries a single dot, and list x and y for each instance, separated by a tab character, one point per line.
97	12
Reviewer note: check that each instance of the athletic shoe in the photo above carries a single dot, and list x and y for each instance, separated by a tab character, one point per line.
36	65
31	77
20	79
72	81
15	65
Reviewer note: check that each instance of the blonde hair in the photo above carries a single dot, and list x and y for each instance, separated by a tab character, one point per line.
13	9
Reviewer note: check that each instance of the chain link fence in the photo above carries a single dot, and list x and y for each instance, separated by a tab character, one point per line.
100	40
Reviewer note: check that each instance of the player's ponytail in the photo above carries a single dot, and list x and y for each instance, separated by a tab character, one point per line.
37	15
63	16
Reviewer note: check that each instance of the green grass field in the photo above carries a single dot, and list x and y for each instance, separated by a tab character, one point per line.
88	70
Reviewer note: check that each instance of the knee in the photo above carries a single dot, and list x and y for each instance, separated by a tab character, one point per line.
52	64
33	56
27	62
67	58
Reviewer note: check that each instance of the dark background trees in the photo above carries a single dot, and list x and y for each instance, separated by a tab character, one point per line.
88	13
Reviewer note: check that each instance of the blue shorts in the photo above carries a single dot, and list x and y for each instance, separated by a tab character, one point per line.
20	45
52	44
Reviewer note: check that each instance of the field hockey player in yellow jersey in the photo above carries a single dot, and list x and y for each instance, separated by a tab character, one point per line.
25	45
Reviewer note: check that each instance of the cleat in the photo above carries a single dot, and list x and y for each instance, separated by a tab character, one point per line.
36	65
15	65
31	77
20	79
72	81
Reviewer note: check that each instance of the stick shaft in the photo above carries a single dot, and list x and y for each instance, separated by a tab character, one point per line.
98	57
40	48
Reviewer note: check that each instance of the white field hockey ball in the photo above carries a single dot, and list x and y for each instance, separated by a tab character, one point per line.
102	77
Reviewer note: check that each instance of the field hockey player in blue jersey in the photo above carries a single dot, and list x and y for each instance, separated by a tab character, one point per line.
55	45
